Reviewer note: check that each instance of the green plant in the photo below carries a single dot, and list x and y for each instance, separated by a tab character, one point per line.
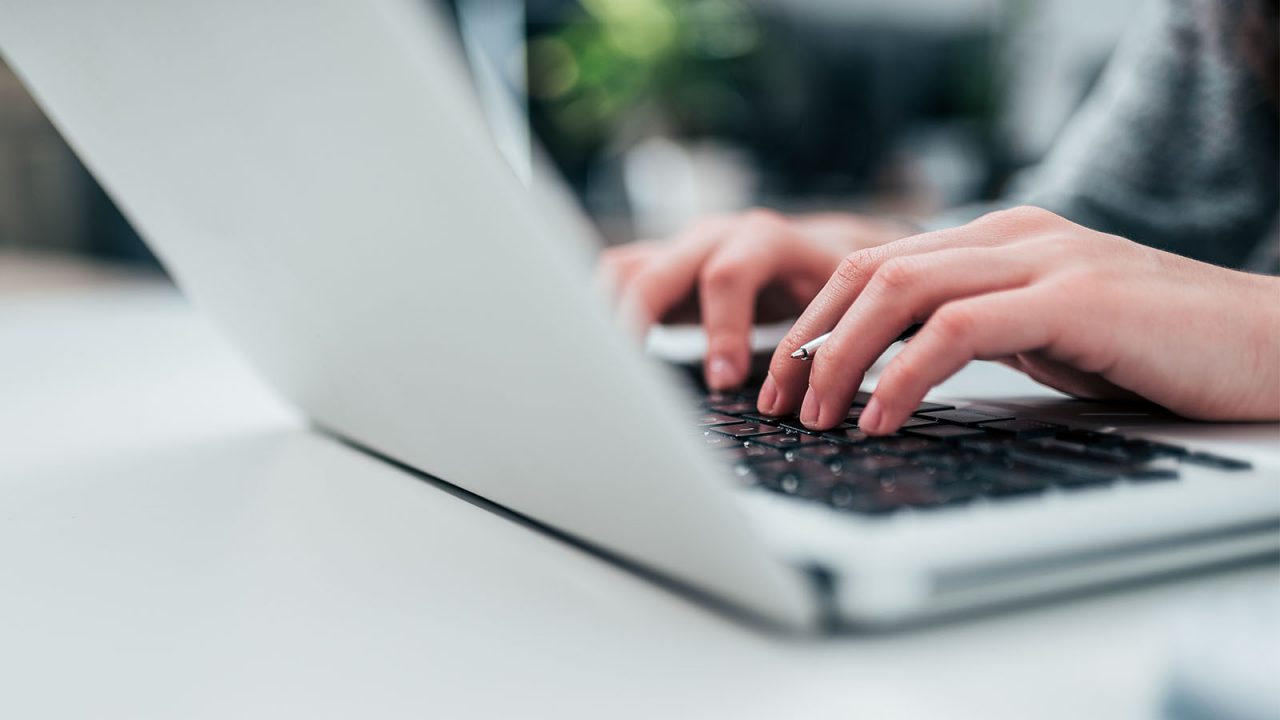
678	59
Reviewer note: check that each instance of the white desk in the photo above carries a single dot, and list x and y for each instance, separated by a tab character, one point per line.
175	544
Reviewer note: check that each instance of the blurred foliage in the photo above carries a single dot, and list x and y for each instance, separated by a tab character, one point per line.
823	108
619	64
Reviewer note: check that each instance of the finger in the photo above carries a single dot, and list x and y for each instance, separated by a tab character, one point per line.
669	276
788	379
984	327
902	291
635	248
614	273
729	283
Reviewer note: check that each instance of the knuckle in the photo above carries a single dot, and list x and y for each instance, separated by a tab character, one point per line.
782	362
699	230
901	374
1021	216
954	322
794	338
765	217
903	378
854	267
827	364
720	273
707	224
895	274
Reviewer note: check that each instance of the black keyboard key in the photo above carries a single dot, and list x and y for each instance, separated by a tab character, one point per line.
964	417
761	418
1106	453
868	501
733	408
752	452
949	459
940	431
928	407
916	422
784	441
955	492
910	474
1153	448
787	482
868	465
712	419
987	445
1020	428
1217	462
720	441
822	451
793	424
998	482
903	444
711	400
745	430
803	478
842	495
851	436
1090	438
1070	462
908	495
1110	459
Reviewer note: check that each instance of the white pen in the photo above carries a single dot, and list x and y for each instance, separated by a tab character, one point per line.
807	350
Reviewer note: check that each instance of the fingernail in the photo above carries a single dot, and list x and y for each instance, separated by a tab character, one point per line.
869	421
768	396
720	373
811	409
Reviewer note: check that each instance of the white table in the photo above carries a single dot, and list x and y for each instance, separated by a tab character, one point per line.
175	543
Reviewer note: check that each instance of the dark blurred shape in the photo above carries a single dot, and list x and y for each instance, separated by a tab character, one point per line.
48	199
110	234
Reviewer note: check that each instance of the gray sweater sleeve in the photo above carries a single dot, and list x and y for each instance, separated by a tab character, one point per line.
1177	147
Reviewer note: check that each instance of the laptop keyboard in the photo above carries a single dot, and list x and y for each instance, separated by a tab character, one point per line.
942	456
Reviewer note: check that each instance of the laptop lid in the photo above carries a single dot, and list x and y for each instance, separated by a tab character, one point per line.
316	176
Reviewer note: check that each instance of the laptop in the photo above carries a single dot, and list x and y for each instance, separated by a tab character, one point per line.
319	179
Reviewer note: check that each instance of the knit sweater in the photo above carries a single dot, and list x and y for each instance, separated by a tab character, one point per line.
1177	146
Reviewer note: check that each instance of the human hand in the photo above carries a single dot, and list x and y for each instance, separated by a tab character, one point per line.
729	272
1091	314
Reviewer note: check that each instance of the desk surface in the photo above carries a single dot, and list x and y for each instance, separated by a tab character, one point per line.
175	543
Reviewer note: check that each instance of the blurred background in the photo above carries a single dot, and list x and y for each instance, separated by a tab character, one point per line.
656	111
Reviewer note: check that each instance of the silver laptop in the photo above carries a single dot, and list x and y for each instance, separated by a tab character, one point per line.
318	178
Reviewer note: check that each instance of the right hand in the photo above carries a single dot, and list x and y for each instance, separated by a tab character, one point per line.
729	272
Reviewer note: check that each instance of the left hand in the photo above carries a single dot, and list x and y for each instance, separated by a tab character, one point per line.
1091	314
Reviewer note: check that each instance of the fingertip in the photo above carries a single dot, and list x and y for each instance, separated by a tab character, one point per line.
811	409
871	421
721	372
768	399
787	398
728	359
